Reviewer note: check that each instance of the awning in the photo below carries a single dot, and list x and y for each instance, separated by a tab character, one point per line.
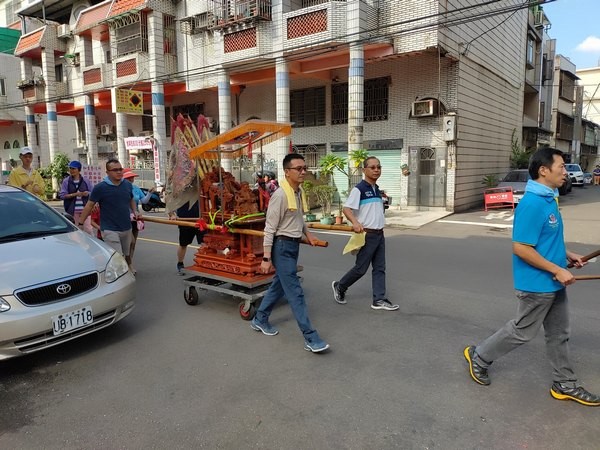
241	139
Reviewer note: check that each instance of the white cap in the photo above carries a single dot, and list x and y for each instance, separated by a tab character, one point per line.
25	150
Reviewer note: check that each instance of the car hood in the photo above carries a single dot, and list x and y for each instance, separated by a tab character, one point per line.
32	261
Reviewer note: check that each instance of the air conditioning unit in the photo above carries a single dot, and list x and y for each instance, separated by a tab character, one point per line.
106	129
424	108
63	31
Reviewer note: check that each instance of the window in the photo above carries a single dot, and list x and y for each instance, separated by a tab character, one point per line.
6	144
339	103
542	113
147	120
427	161
16	144
376	99
307	107
530	52
566	88
131	34
3	86
58	73
312	154
11	7
169	35
376	95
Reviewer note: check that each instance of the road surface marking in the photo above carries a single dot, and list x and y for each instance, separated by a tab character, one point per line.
491	225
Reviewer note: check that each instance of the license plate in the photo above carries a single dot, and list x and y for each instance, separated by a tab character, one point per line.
72	320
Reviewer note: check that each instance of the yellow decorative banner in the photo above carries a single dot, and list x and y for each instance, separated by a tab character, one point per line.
130	102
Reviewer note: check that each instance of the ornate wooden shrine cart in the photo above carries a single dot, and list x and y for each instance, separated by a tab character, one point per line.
232	213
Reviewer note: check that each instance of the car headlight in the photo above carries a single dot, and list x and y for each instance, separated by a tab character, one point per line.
116	268
4	305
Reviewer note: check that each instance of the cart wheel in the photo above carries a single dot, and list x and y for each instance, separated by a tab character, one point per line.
191	297
146	207
247	312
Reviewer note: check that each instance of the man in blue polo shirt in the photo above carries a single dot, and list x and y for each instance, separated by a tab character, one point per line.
364	209
115	196
540	277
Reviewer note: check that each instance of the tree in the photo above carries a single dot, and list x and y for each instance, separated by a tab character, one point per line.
519	157
331	162
55	172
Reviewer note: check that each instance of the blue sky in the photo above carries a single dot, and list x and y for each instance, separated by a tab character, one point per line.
576	28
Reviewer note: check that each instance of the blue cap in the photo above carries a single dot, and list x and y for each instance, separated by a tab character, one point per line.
75	165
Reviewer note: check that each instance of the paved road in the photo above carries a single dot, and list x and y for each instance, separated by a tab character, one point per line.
175	376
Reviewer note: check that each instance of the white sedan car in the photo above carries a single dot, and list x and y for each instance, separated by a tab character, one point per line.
57	283
575	173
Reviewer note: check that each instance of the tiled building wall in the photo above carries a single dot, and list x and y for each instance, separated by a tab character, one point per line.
491	61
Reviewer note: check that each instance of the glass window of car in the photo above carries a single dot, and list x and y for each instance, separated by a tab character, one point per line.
517	176
24	216
573	168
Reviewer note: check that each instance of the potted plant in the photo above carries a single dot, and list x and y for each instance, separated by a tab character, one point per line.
324	194
308	187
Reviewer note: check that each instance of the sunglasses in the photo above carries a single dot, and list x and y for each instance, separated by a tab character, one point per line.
299	168
120	169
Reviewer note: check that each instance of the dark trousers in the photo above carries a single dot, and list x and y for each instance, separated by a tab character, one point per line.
372	253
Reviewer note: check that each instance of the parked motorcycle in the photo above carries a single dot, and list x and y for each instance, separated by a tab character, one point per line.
154	202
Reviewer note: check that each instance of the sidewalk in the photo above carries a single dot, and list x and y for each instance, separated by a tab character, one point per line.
413	217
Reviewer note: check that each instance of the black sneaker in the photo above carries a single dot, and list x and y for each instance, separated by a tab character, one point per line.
478	373
577	394
338	294
180	268
384	304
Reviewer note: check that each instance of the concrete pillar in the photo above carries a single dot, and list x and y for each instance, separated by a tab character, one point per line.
224	88
356	79
32	142
50	92
156	67
122	153
282	86
159	127
356	74
91	132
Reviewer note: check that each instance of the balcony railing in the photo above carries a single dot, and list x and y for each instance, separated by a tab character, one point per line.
225	14
309	3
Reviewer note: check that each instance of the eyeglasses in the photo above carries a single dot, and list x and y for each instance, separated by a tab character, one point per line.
299	168
120	169
373	167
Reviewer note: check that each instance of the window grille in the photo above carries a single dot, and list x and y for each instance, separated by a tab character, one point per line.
169	36
312	154
567	87
376	101
427	161
307	107
131	33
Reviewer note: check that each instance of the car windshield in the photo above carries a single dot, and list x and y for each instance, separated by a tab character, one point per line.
573	167
517	176
22	216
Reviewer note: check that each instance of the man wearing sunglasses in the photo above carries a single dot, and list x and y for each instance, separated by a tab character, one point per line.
115	197
284	228
364	209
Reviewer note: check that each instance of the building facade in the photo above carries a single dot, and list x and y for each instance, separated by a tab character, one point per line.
435	86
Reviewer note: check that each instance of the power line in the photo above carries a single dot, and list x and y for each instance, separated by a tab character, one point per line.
301	51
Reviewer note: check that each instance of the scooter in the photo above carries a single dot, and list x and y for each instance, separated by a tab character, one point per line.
154	202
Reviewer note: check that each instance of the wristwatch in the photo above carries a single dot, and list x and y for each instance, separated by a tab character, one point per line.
265	259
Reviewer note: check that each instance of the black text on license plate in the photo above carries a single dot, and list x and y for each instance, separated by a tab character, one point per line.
72	320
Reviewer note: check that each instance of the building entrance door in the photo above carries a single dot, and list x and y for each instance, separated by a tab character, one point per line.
427	183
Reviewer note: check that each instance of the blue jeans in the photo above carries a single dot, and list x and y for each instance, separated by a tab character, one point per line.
373	252
286	283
